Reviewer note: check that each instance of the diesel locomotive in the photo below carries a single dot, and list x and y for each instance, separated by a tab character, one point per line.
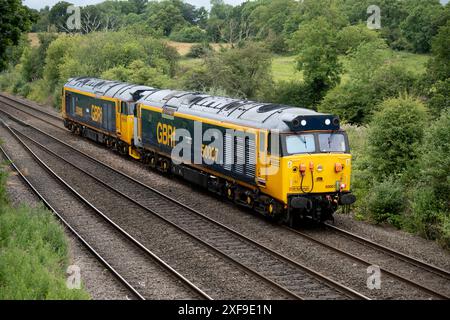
284	162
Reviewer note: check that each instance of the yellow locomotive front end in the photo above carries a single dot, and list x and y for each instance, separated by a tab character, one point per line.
316	170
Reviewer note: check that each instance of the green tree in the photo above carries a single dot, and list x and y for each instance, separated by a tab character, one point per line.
395	135
351	37
422	23
372	78
430	203
165	16
14	20
317	47
33	59
189	34
243	72
439	64
393	13
139	5
58	15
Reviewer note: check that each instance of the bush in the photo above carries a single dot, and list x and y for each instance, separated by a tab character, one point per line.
96	54
189	34
395	134
386	201
293	93
199	50
350	37
440	97
276	43
241	72
435	160
33	253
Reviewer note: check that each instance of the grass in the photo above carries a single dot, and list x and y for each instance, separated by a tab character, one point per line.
33	253
284	67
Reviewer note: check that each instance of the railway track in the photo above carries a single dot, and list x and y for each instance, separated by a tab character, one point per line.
287	275
56	121
112	233
442	274
366	242
96	254
445	274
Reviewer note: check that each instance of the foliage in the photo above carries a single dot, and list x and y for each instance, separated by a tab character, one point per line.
422	23
386	201
440	97
316	45
199	50
351	37
33	253
373	78
33	58
14	19
189	34
58	16
439	65
241	72
292	93
395	134
140	73
94	54
430	205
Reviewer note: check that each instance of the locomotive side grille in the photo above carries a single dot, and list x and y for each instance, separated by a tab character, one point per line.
250	158
228	152
240	155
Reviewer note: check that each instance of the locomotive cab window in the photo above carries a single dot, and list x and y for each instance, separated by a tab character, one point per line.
123	108
332	142
300	143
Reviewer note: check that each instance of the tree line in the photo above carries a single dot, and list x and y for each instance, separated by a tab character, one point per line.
407	24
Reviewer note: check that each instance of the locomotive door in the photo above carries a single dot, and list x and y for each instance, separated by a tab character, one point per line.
263	159
118	119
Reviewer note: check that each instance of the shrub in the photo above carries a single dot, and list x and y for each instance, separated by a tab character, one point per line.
241	72
293	93
189	34
356	100
276	43
350	37
386	201
199	50
394	137
96	54
440	97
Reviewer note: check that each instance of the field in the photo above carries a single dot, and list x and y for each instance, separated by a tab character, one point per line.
284	67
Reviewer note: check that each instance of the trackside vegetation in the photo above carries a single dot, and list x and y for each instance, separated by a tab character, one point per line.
33	253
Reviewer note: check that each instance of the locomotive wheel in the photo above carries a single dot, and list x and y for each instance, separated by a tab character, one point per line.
152	162
230	193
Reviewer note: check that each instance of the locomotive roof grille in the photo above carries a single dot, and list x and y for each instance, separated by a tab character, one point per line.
243	113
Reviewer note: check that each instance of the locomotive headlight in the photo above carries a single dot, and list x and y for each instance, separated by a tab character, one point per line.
327	122
303	123
319	168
